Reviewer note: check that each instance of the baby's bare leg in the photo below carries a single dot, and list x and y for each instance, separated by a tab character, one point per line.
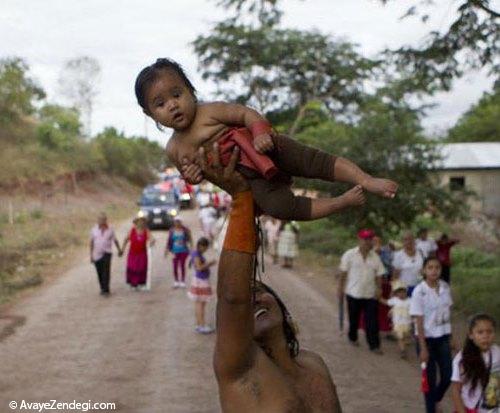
323	207
297	159
347	171
277	200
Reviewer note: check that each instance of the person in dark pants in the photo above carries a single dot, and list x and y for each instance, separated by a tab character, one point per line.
360	280
430	306
102	237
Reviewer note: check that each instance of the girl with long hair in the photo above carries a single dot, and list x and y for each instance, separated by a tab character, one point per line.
476	369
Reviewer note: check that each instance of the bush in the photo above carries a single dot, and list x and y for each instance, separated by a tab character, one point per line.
326	237
474	259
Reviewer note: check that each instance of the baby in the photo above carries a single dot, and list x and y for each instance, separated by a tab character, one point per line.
400	312
267	159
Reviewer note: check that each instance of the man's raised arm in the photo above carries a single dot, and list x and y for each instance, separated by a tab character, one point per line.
234	348
234	345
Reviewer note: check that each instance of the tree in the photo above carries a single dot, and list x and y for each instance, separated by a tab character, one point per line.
282	68
59	127
134	158
481	123
472	41
18	92
78	83
386	140
263	12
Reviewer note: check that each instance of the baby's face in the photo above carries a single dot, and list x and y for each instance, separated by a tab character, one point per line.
170	102
401	294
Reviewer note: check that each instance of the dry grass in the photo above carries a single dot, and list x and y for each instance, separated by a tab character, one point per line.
47	229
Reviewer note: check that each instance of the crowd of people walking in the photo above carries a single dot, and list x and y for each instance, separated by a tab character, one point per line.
401	292
414	284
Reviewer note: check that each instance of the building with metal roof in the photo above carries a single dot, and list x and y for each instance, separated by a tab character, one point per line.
473	166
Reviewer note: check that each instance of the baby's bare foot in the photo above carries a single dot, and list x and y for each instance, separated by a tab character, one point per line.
354	197
381	187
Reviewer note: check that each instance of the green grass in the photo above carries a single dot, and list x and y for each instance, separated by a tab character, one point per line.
475	280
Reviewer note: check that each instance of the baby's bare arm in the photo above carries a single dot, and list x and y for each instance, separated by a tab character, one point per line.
233	114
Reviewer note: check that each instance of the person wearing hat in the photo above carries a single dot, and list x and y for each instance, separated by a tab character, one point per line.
400	313
361	271
102	238
137	259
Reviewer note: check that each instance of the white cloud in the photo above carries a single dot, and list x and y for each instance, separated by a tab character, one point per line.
127	35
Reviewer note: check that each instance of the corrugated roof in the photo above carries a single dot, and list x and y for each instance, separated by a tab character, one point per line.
470	155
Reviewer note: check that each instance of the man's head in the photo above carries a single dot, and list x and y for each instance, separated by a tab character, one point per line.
422	233
271	316
408	240
102	219
365	239
444	238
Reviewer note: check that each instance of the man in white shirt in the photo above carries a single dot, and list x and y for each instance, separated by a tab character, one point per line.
102	237
426	246
361	270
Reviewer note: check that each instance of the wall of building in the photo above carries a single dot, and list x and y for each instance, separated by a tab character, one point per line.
485	183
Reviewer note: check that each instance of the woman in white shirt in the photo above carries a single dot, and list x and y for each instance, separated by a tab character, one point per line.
476	369
430	306
407	263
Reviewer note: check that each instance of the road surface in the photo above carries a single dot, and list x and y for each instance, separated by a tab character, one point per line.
139	350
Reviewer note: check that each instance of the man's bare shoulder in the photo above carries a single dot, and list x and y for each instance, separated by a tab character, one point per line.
326	392
313	360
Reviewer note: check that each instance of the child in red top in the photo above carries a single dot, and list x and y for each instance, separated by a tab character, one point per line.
267	159
443	254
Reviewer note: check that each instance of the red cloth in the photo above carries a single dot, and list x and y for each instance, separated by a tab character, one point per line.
443	252
249	157
138	241
384	321
424	382
137	260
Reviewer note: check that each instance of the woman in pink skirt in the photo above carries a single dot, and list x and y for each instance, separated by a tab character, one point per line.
137	259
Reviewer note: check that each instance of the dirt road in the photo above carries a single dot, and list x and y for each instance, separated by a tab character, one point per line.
139	350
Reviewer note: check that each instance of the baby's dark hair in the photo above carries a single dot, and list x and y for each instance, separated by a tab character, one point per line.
150	73
203	242
474	367
289	328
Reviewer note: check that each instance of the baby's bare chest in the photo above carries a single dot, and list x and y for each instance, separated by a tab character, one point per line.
187	145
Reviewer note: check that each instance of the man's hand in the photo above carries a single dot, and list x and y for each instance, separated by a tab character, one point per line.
191	172
224	177
263	143
424	354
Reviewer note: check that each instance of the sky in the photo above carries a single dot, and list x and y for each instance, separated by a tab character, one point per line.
124	36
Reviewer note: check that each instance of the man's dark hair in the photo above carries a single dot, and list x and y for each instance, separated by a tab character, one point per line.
288	326
421	231
150	73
